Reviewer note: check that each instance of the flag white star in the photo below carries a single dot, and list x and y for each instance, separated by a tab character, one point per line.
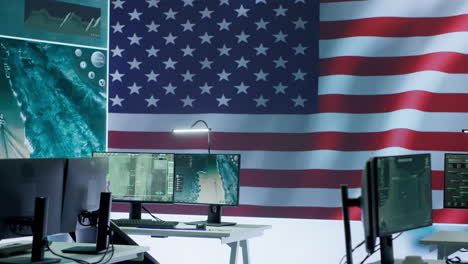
152	76
280	88
188	26
117	76
170	64
299	1
260	1
134	39
299	101
224	25
187	51
170	89
206	63
152	27
117	100
118	27
242	88
170	39
117	51
280	37
205	13
188	76
299	23
134	64
152	3
242	63
223	101
299	75
170	14
118	4
223	2
261	75
152	52
224	75
224	50
152	101
206	88
206	38
241	11
299	49
135	15
134	88
261	101
188	2
280	11
261	50
280	63
242	37
187	101
261	24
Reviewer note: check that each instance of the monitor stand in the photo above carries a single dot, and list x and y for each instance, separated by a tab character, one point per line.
386	250
214	217
39	230
135	210
102	240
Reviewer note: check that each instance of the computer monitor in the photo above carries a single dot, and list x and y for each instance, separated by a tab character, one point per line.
139	178
396	196
85	179
22	181
456	181
209	179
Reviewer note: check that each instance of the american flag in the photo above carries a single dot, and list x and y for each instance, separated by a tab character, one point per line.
305	91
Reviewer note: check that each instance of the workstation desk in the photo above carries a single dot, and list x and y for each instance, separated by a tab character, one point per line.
121	253
236	237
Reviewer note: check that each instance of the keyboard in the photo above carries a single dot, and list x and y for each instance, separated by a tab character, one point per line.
144	223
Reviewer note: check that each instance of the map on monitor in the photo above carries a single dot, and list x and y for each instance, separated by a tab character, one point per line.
211	179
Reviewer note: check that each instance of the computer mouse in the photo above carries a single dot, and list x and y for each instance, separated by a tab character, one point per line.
201	226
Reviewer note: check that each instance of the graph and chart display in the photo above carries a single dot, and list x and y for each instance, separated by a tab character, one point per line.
207	179
140	177
456	181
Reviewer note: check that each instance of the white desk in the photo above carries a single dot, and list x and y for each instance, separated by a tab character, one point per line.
446	242
428	261
121	253
233	236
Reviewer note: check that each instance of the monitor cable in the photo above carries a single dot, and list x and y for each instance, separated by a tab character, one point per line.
377	248
356	247
152	215
110	249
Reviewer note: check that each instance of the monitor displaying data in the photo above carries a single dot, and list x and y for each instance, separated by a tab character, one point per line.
207	179
140	177
456	181
404	193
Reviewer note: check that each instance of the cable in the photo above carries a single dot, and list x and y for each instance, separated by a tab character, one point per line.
377	248
154	217
352	250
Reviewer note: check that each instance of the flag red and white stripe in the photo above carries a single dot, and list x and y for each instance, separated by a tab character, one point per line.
392	81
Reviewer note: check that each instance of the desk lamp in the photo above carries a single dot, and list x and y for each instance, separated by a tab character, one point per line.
196	130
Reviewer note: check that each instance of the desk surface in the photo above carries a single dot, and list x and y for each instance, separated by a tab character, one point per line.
121	253
227	234
447	238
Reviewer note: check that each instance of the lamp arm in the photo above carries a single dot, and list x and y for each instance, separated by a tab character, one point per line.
209	130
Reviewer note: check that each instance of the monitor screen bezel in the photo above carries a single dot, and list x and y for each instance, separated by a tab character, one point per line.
142	201
238	179
375	196
445	183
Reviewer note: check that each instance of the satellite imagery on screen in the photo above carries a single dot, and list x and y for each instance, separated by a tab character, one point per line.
206	179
